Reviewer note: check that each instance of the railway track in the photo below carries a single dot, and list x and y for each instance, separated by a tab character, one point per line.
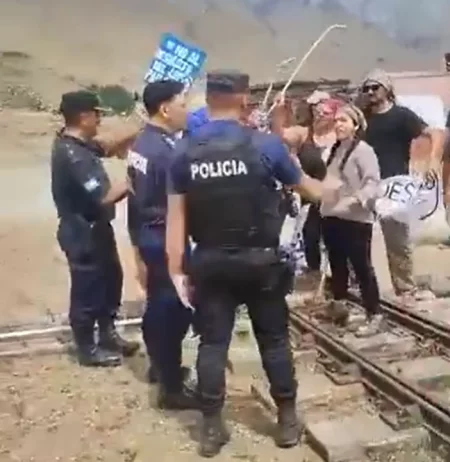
47	338
423	326
372	397
361	398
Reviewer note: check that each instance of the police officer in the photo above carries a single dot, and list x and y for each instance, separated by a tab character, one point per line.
84	198
222	194
165	321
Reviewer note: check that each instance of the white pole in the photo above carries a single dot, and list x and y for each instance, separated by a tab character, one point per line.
306	56
281	66
35	333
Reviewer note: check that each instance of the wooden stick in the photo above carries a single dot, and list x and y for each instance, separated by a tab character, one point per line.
306	56
279	67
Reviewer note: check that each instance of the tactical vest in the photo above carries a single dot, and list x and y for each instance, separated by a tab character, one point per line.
231	201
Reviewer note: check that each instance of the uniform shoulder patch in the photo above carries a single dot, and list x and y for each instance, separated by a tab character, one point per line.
91	185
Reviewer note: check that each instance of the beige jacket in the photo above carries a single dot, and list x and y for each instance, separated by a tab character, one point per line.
360	177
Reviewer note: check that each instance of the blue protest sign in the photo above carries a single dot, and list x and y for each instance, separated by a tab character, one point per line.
175	60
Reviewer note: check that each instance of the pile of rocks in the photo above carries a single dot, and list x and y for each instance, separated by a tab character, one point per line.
22	97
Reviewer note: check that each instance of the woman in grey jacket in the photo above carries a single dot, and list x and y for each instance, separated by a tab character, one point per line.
348	217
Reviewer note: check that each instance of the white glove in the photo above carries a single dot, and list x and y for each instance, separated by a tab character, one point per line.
181	283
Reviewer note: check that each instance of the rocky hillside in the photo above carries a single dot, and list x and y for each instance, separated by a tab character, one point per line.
49	46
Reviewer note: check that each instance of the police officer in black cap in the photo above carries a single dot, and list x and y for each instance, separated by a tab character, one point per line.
85	201
222	194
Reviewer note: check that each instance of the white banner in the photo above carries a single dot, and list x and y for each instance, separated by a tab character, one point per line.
408	198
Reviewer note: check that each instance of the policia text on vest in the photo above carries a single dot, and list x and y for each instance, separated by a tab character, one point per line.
218	169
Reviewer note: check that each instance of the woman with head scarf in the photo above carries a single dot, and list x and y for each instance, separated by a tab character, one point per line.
311	143
347	217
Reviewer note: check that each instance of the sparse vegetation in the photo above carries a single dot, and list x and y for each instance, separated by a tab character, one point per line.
116	98
14	54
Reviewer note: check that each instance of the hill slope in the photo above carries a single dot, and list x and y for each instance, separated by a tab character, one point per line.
111	41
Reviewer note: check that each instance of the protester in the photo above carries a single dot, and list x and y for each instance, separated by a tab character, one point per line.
165	321
391	129
223	196
85	201
311	143
348	218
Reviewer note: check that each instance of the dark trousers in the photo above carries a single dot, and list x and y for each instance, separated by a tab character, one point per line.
311	237
96	279
166	320
350	242
222	282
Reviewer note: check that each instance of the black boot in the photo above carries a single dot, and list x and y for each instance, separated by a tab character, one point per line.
153	375
88	353
110	339
289	427
214	435
180	401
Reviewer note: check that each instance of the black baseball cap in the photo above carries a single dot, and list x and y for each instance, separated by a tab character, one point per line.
77	102
159	92
223	81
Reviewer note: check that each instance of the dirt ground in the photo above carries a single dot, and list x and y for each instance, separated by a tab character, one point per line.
50	408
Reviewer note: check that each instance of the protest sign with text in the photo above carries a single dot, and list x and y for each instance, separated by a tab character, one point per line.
177	60
408	198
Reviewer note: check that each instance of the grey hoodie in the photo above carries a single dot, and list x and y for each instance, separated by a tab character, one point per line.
361	177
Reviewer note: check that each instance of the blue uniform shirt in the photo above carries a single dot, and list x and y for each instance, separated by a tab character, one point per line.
148	161
195	120
275	155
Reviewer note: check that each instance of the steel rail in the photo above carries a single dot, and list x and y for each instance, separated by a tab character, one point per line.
435	415
419	324
15	333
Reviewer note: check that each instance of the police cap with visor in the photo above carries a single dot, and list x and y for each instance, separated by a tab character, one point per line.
77	102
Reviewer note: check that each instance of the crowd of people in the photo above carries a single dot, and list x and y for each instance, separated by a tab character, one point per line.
204	216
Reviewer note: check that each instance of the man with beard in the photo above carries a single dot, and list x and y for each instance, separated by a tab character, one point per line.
390	130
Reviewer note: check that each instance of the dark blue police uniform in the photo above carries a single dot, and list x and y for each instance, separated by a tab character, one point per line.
166	320
79	185
226	172
195	120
